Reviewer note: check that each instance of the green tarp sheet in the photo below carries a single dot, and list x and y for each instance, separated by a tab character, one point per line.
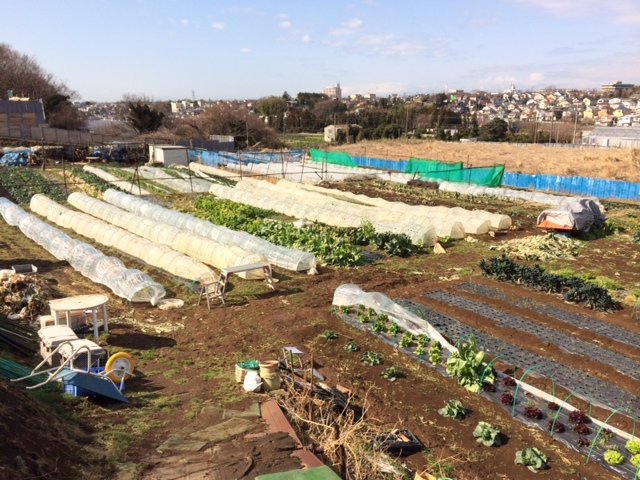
317	473
422	166
486	176
335	158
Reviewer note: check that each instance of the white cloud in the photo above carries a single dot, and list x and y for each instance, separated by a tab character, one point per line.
384	88
306	38
347	28
218	25
184	22
285	24
245	50
535	78
622	11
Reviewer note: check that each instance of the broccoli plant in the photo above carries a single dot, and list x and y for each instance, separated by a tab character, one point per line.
435	353
487	434
532	458
453	409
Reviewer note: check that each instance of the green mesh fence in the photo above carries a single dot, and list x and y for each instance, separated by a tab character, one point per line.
486	176
422	166
335	158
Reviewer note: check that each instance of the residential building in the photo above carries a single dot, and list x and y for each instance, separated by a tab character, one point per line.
334	93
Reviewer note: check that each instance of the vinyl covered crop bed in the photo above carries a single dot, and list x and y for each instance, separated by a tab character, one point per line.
287	258
421	223
616	333
152	253
569	343
196	246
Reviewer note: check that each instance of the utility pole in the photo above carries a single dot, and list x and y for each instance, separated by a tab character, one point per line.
575	125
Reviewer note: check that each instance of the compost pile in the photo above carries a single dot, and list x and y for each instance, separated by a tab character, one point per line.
541	247
24	297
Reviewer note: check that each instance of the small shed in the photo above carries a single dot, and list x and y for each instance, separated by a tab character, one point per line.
168	155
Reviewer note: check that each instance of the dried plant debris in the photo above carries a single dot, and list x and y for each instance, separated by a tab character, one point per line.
541	247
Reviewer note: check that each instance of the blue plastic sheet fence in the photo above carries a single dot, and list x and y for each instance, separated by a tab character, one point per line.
596	187
215	159
381	164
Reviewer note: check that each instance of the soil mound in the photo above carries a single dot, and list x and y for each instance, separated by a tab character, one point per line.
35	441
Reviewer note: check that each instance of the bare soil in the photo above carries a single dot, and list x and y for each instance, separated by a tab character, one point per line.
610	163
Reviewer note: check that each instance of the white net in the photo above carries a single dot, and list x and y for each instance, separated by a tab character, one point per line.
166	179
282	257
127	283
204	249
123	184
152	253
510	194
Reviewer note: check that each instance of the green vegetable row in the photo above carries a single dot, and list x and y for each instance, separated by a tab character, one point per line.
23	183
334	245
572	288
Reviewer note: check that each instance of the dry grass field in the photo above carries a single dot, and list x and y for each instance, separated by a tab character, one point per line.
610	163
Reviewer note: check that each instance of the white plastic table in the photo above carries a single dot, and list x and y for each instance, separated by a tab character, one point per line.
64	306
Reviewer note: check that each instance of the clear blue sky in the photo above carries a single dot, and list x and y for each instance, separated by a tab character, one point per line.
220	49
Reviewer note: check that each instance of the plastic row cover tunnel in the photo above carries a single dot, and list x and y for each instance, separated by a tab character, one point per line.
282	257
471	221
127	283
510	194
323	209
204	249
152	253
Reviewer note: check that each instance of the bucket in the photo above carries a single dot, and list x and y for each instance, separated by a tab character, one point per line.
268	367
243	367
271	381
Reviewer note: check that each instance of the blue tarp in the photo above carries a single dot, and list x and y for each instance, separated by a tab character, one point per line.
18	158
594	187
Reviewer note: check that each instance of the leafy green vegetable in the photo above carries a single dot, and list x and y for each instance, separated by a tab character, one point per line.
23	183
393	329
467	366
574	289
419	350
329	335
633	447
371	358
406	340
487	434
635	460
453	409
435	353
613	457
351	346
390	374
379	326
532	458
